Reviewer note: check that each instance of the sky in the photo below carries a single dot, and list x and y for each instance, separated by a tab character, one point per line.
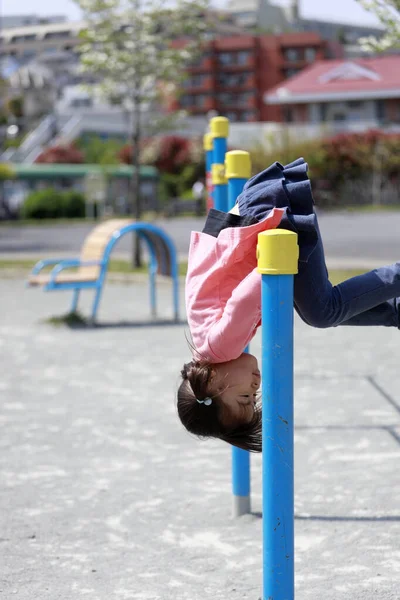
348	11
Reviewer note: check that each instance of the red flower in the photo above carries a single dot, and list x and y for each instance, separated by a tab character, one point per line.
67	154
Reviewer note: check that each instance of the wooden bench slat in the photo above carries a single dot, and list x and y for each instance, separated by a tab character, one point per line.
63	278
96	242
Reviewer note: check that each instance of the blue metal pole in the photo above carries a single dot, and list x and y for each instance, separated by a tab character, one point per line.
235	188
220	189
219	127
277	261
238	170
208	149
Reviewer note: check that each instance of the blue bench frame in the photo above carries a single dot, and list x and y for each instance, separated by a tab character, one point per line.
151	234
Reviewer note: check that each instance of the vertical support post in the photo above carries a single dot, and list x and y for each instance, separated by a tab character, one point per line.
219	130
238	171
208	149
75	298
277	254
152	291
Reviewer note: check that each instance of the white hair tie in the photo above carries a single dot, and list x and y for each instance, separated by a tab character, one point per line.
206	401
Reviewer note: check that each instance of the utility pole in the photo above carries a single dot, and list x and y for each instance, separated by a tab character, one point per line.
136	200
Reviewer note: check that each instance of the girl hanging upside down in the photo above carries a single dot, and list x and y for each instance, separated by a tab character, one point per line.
219	390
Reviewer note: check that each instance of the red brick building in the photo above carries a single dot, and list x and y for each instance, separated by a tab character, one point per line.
235	72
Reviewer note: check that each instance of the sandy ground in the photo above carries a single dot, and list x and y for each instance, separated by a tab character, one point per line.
104	496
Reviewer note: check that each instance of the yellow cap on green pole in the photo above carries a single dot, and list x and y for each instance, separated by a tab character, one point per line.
277	252
219	127
237	164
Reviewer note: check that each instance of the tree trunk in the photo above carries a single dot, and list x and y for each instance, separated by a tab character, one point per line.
136	201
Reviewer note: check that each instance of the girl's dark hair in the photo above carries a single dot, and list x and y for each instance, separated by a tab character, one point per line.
208	421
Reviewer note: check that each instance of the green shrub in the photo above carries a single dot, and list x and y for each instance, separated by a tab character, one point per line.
43	204
53	204
6	172
73	204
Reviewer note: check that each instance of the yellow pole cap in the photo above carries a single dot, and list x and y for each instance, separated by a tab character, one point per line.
207	141
219	127
237	164
277	252
218	174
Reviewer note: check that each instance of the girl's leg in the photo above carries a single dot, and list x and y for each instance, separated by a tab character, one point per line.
363	300
384	315
322	305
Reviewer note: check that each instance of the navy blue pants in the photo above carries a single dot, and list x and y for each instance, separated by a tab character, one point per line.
368	299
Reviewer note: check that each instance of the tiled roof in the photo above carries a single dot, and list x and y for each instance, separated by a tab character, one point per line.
363	76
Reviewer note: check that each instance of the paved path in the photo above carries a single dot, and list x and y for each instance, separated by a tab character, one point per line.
365	240
104	496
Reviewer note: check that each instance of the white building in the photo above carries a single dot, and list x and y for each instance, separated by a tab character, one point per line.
263	14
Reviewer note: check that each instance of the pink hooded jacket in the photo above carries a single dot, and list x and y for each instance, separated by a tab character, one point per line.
223	289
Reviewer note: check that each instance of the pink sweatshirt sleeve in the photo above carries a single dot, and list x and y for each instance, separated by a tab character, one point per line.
229	336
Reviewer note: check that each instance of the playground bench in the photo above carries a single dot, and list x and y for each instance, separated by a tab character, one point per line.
90	269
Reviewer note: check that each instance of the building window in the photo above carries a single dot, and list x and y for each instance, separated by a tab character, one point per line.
199	100
380	110
244	98
228	80
81	103
56	35
193	101
248	115
292	54
225	58
226	98
290	72
199	61
194	81
198	80
245	15
233	79
22	38
288	115
355	104
243	78
232	116
187	100
310	54
243	57
339	117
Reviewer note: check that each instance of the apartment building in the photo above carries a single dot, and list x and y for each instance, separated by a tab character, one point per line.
47	36
29	42
234	73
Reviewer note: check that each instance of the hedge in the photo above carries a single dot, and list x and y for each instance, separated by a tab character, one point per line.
53	204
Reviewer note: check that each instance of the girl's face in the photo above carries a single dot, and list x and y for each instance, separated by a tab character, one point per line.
237	383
